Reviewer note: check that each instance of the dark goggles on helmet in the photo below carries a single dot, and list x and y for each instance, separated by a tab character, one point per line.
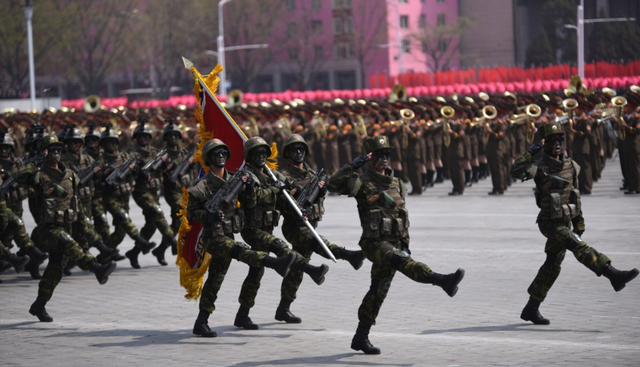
382	153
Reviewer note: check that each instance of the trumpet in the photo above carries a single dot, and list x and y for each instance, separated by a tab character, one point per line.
489	113
570	104
618	103
447	112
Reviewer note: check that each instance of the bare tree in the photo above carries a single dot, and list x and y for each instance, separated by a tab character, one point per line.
168	30
304	48
440	43
46	24
249	22
369	24
96	38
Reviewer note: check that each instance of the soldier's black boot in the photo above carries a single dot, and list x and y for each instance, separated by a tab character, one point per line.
201	327
467	178
4	266
355	258
280	264
18	262
316	273
102	271
531	313
144	245
36	255
106	253
439	175
132	255
158	252
67	269
449	282
243	320
619	278
430	178
37	309
361	341
284	314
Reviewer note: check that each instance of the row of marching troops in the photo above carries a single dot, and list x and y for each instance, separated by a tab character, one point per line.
74	177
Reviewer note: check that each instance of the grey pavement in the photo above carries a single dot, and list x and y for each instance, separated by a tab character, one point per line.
140	318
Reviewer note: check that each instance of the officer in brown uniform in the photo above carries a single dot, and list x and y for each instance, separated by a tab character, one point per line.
558	198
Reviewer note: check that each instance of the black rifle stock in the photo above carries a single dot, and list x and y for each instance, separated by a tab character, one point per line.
310	193
181	169
154	163
224	196
120	172
88	172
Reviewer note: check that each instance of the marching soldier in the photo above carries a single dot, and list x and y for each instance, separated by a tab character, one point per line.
497	146
116	194
55	189
6	257
558	197
261	217
98	212
385	233
218	232
77	161
580	146
630	144
298	173
16	231
145	194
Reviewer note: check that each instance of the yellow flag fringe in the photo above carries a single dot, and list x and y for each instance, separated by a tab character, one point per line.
272	160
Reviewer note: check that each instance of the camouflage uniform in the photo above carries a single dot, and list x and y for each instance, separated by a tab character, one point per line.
98	212
385	235
172	191
558	197
55	193
296	232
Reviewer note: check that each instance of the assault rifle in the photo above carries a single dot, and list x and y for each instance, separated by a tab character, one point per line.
181	169
120	172
88	172
224	196
310	193
154	163
8	185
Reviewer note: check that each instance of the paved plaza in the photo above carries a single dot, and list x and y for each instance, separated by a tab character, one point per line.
140	317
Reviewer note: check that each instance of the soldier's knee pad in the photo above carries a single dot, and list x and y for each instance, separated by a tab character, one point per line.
573	241
15	222
121	216
237	248
398	258
101	219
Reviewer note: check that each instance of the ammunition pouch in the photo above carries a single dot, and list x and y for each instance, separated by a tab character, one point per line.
565	211
378	227
60	217
265	219
152	184
120	188
229	225
85	193
185	180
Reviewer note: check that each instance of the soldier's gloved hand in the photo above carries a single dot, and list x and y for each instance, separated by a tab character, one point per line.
578	225
250	183
535	148
215	217
359	161
281	185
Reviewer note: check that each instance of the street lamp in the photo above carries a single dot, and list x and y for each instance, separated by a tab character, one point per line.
28	13
223	74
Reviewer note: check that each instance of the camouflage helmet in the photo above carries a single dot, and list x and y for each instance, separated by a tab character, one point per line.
294	139
6	139
109	133
28	137
552	128
50	141
92	130
142	128
172	127
62	133
211	145
253	143
73	133
374	143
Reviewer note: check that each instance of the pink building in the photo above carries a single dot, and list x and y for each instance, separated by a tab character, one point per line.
339	44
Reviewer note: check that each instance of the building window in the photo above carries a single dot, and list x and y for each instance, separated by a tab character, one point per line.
343	50
292	29
316	26
293	54
318	52
337	25
442	45
348	25
340	4
423	21
442	19
316	4
404	1
406	46
404	21
290	5
441	1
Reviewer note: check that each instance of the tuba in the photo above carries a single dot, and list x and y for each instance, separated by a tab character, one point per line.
398	93
533	111
489	113
91	104
570	104
447	112
235	98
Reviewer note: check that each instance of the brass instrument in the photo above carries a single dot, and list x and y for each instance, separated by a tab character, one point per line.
91	104
235	98
360	128
570	104
398	93
609	91
407	114
618	103
489	113
447	112
634	89
533	111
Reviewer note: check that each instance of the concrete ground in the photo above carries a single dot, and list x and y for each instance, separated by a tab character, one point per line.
140	318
